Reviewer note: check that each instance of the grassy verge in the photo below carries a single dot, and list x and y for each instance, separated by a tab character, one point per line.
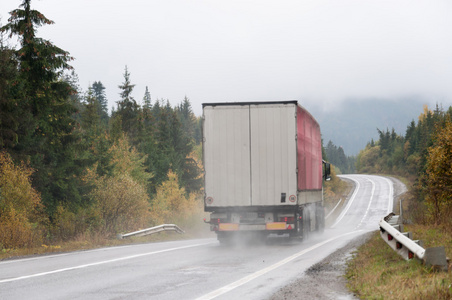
195	228
378	272
336	190
86	243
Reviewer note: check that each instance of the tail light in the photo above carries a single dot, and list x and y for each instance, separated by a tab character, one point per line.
286	219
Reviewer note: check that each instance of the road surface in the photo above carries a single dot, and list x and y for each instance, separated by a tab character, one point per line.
194	269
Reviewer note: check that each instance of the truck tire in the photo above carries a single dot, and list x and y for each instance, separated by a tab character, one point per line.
306	224
298	232
320	219
224	238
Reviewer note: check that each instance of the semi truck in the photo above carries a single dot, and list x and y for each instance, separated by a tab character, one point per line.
263	169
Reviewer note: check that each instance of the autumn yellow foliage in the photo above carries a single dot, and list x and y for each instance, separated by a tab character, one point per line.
333	189
118	202
126	159
368	160
171	205
122	204
439	175
20	205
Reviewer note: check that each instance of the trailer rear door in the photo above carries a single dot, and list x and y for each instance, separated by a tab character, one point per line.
226	131
273	154
250	155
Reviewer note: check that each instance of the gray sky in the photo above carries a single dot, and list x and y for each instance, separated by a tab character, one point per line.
238	50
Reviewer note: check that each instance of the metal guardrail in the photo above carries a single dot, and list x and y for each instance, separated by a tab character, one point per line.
152	230
391	232
400	242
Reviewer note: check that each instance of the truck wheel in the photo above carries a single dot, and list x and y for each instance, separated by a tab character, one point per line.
224	239
320	219
306	224
298	232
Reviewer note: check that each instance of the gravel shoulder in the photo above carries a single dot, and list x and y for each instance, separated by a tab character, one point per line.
325	280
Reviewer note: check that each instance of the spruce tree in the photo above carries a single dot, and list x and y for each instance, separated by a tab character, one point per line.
48	139
12	113
147	99
102	106
128	109
147	116
95	137
187	117
147	144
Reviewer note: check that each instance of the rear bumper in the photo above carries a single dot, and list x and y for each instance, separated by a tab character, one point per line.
274	226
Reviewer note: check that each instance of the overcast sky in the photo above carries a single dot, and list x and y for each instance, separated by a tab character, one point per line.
238	50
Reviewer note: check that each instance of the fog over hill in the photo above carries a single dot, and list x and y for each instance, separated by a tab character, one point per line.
354	122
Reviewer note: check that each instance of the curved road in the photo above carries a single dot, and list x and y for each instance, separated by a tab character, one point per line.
194	269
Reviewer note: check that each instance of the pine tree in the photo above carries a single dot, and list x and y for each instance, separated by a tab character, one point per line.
147	143
182	164
41	62
147	116
91	116
198	130
99	94
48	138
128	109
337	157
147	99
95	137
12	113
187	117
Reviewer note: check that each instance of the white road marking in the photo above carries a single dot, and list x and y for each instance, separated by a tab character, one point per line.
352	198
45	256
391	195
99	263
257	274
370	202
333	209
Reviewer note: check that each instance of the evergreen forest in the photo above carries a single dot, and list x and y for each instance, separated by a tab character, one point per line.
424	157
68	168
335	155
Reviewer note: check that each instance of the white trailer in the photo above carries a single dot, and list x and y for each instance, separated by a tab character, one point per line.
263	169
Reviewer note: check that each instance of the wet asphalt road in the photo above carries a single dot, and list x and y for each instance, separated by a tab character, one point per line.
194	269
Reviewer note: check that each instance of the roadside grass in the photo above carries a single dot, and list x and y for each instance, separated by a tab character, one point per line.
85	242
336	190
377	272
194	228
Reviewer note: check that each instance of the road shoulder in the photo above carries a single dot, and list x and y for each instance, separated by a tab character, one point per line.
324	280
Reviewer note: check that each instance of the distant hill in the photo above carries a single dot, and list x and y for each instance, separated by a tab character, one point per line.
353	123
